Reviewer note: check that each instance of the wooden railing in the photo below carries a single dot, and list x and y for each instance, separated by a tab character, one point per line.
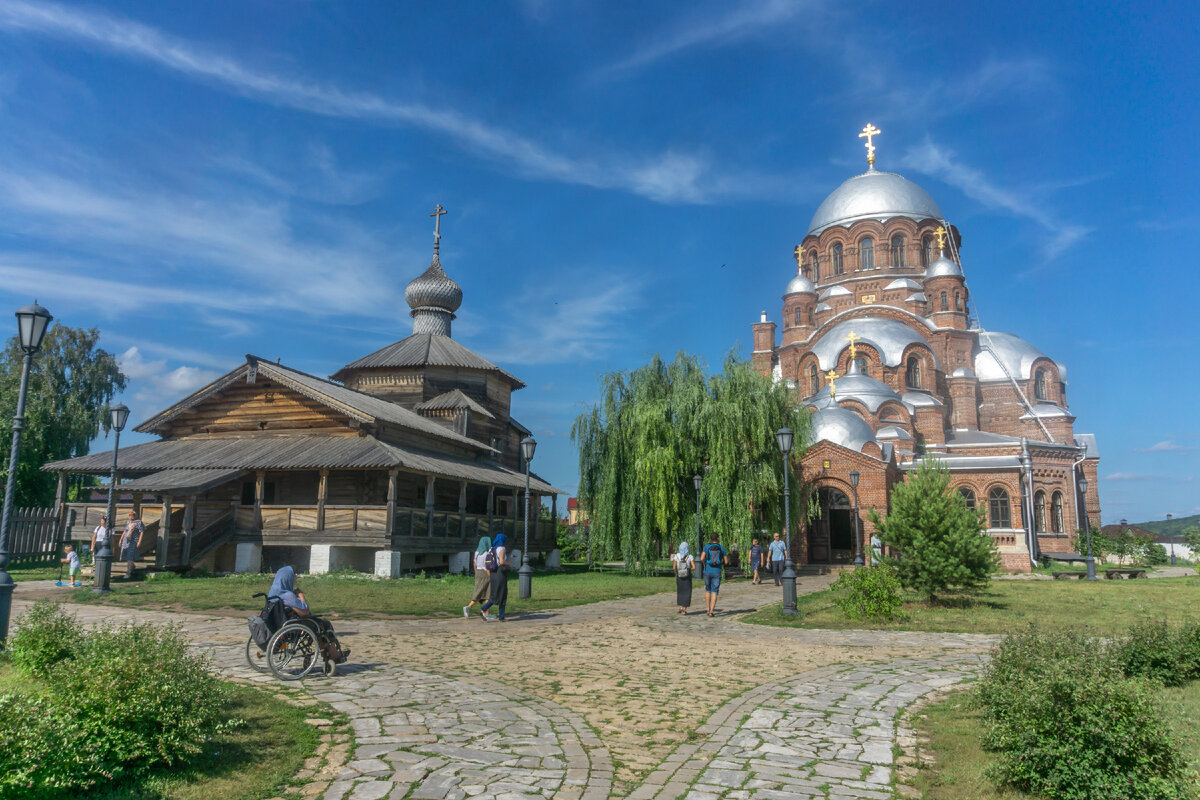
33	537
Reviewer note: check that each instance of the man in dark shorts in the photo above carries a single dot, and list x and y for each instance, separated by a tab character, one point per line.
756	560
714	559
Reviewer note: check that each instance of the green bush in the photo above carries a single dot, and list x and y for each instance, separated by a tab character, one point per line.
1155	554
1154	649
45	636
868	593
1067	723
131	699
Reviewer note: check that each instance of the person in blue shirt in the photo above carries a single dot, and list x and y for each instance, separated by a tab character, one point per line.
778	556
714	558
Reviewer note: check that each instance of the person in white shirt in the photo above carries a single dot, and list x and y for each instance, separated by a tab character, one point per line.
100	535
483	578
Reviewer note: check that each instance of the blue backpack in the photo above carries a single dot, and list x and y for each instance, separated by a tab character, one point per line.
712	555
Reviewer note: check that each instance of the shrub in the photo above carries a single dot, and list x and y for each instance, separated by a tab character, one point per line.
1153	649
45	636
868	593
1155	554
1067	723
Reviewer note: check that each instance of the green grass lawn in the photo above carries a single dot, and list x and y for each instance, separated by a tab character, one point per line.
37	573
1004	606
953	729
250	762
342	594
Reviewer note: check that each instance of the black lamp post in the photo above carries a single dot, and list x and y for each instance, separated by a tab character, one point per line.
32	321
784	437
1087	530
1172	539
698	481
525	574
858	548
118	415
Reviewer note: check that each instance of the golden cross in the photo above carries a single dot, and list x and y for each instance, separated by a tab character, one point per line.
852	338
868	133
832	376
941	237
437	225
799	254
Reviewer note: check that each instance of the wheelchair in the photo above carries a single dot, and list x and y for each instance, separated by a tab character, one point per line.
294	644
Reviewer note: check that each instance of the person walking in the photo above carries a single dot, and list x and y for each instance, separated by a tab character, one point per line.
131	543
498	586
757	561
99	535
778	556
685	565
715	557
483	578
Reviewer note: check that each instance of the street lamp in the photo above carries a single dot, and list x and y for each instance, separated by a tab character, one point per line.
1087	530
525	574
784	437
697	481
118	415
858	558
1172	539
32	321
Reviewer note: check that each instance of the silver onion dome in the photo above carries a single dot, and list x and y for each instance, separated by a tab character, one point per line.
854	385
943	266
874	195
841	426
433	298
800	285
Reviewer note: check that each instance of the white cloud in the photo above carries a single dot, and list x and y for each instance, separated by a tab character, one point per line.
1129	476
1167	446
152	381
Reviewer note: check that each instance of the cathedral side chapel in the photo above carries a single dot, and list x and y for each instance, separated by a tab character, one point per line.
878	340
397	462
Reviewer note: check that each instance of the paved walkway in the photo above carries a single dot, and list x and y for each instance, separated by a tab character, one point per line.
622	699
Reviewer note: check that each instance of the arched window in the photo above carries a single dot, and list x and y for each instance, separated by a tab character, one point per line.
812	263
866	253
897	251
1039	385
999	513
799	316
839	266
1039	511
912	373
1056	514
862	364
926	251
810	313
958	301
945	302
968	496
814	380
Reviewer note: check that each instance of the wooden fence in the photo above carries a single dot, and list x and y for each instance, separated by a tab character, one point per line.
33	537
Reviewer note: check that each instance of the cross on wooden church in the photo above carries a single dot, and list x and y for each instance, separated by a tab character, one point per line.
437	214
868	133
852	338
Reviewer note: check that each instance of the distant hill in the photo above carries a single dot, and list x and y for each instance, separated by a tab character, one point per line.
1172	528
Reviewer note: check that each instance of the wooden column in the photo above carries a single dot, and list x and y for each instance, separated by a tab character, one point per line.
554	519
429	491
322	496
391	501
462	509
189	524
60	493
163	543
260	481
491	506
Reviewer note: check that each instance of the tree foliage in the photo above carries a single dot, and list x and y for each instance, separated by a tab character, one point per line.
656	427
938	542
71	383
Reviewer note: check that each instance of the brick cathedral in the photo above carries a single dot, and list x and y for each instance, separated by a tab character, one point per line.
879	341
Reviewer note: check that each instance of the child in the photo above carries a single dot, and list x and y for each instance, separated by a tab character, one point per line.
72	562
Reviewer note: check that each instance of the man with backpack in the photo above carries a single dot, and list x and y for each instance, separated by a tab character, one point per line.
714	558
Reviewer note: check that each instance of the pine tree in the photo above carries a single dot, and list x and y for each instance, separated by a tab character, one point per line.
938	543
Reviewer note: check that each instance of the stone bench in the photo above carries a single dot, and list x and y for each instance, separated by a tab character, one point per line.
1124	574
1064	574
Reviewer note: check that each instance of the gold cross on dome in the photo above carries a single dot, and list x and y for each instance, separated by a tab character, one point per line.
832	376
869	133
940	233
799	254
438	211
852	338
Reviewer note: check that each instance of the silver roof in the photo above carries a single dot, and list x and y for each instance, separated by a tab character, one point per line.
1018	356
433	288
799	284
914	398
425	350
915	297
1046	411
963	463
874	195
854	385
1088	442
823	307
903	283
892	432
942	266
887	336
841	426
835	291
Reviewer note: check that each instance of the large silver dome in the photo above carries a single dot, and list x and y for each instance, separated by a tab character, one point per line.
799	285
943	266
841	426
854	385
887	336
874	195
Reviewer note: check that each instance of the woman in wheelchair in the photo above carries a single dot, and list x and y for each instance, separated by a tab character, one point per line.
284	588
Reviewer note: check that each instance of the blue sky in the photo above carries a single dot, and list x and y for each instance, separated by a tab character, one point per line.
202	181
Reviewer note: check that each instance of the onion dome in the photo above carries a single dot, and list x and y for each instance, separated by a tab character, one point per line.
800	285
841	426
943	266
874	195
854	385
433	298
889	337
1018	356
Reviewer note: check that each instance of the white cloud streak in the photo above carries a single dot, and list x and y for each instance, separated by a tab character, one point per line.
1167	446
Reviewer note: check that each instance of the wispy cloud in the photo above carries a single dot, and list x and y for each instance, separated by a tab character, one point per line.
1130	476
154	381
942	163
659	178
735	23
1167	446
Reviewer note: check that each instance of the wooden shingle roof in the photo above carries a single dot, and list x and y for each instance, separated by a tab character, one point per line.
453	399
426	350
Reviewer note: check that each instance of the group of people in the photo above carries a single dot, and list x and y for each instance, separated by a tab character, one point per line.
713	560
130	546
491	578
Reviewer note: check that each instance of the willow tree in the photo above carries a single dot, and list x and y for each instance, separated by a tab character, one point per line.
656	427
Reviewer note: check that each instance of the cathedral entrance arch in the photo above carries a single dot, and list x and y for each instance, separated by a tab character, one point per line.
831	534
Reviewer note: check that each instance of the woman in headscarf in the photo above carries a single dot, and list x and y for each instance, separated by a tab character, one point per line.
284	588
483	578
498	589
684	565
